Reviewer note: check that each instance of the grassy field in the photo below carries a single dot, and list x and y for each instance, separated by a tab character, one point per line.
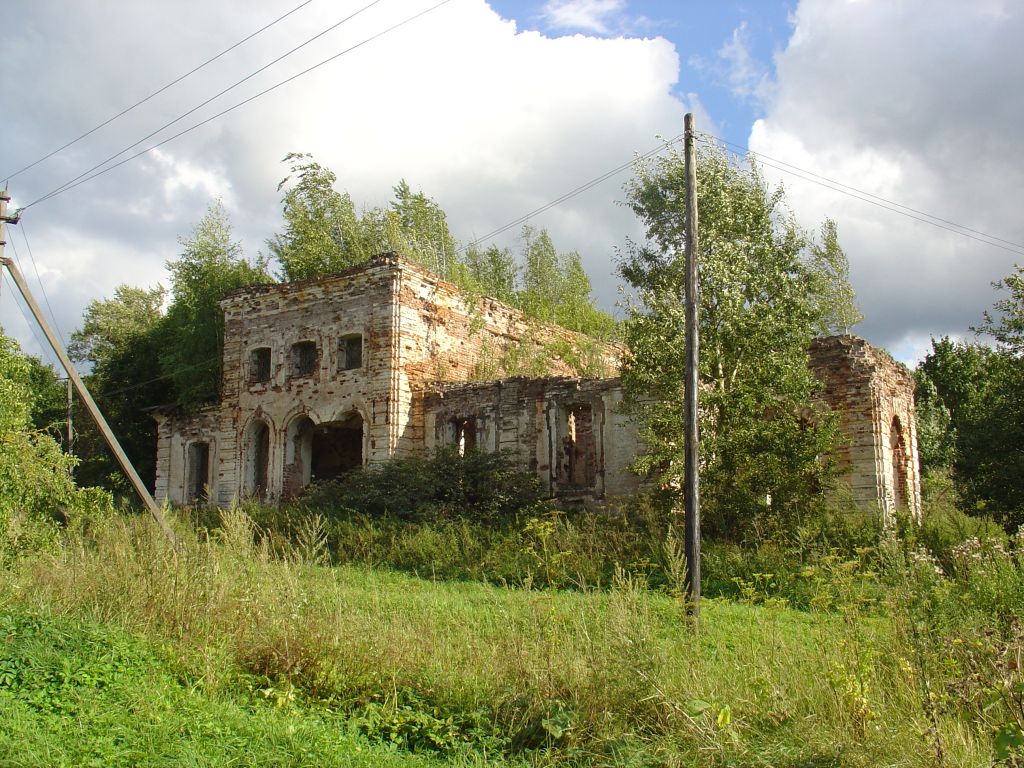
116	649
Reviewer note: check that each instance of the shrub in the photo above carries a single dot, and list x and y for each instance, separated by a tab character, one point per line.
480	486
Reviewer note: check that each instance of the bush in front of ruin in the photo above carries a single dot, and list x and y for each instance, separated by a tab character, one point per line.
488	487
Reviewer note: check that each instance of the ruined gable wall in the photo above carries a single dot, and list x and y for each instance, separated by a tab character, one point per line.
323	310
449	337
868	389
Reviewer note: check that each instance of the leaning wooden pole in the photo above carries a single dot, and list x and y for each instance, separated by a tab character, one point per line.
692	461
76	380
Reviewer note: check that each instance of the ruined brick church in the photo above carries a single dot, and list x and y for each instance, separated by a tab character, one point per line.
385	360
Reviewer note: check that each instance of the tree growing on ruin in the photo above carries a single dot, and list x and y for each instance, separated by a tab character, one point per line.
322	233
767	287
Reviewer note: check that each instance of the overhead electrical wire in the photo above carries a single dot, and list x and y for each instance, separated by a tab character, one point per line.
572	193
157	92
557	201
85	174
881	202
78	181
43	346
39	280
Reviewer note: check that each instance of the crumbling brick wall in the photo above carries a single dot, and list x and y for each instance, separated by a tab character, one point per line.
874	398
290	381
571	432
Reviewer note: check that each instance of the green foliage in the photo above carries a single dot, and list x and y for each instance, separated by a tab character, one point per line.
1006	323
76	692
122	338
322	233
49	399
242	650
766	289
479	485
491	271
209	266
556	289
36	487
828	272
415	226
982	440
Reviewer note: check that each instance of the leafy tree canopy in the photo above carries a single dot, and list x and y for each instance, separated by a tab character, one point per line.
982	390
35	475
323	233
123	338
210	265
767	287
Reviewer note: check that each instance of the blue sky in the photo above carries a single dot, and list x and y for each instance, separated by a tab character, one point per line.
701	31
497	107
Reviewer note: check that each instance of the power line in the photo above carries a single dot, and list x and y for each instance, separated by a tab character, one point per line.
881	202
567	196
157	92
572	193
42	288
70	185
43	346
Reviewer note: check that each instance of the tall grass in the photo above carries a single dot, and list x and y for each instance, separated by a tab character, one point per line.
877	670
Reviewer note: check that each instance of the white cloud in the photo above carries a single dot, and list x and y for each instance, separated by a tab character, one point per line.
491	121
596	16
746	75
911	102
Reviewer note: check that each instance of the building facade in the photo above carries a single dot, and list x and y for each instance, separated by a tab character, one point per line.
387	360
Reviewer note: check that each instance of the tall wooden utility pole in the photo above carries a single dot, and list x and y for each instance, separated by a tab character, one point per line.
692	463
83	393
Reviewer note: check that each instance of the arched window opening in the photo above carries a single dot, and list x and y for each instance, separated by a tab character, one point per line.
464	434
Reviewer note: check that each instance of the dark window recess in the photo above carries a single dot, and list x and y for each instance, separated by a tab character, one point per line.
578	465
304	358
259	365
198	471
350	352
259	461
465	434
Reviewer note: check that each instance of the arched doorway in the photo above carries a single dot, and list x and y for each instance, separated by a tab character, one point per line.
336	447
898	447
257	459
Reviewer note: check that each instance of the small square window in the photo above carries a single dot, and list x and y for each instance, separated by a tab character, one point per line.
304	358
259	365
350	352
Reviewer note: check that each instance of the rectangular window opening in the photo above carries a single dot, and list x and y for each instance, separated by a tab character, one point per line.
350	352
465	434
259	365
198	471
578	462
304	359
